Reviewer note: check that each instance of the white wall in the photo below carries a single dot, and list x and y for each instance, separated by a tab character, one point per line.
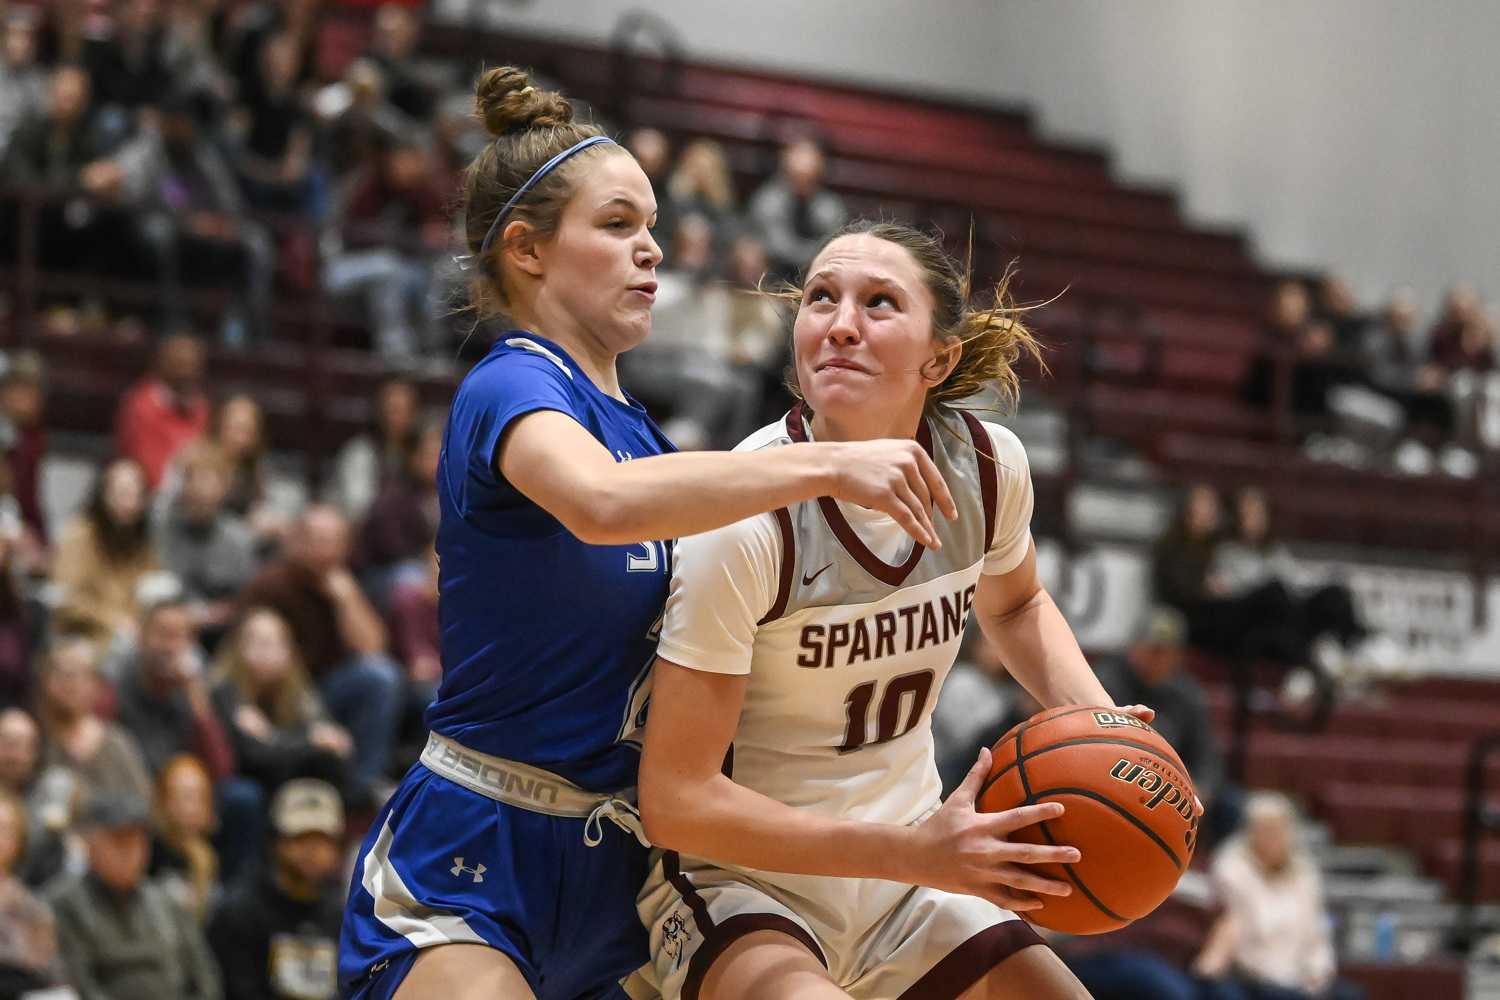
1362	135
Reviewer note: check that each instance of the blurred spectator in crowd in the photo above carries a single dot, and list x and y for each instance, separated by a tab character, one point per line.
163	698
1272	940
210	549
396	32
1293	329
1462	340
23	440
794	212
23	84
413	619
653	154
1150	673
340	636
1463	346
58	149
240	433
702	186
100	755
128	64
384	246
191	49
104	554
459	135
270	708
361	126
366	460
261	21
1398	369
15	623
183	860
29	958
275	160
1252	607
1338	309
1186	551
276	935
1234	589
166	409
20	763
193	218
402	522
684	364
759	349
122	936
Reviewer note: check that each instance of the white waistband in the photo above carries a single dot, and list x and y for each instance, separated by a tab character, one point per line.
531	788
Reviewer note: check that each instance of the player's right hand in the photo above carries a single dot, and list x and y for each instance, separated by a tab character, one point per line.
896	477
963	850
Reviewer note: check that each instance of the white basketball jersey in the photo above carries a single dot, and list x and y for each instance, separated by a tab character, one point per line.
846	647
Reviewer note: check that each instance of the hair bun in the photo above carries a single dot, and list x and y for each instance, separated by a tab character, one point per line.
507	102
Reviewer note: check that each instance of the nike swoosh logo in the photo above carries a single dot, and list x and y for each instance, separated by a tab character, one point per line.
807	580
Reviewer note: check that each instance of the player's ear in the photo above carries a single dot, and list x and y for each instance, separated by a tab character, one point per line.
520	247
942	363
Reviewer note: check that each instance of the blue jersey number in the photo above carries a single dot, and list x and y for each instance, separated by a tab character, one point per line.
653	559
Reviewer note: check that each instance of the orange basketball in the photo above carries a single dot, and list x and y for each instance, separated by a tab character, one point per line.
1131	812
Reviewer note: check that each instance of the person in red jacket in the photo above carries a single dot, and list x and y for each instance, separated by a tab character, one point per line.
166	409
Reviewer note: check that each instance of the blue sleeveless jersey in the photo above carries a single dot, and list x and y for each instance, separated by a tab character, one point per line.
545	639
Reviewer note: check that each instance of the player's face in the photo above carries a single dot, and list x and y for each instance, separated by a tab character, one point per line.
601	265
863	337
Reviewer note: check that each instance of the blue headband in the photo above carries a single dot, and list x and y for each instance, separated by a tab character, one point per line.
466	261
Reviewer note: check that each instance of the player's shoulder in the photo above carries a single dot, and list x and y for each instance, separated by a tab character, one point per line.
756	538
519	367
770	436
1010	454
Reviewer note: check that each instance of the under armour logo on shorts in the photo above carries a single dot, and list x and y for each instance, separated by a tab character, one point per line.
459	868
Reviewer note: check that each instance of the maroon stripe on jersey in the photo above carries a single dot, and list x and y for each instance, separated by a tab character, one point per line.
717	941
788	566
967	964
671	869
891	576
989	474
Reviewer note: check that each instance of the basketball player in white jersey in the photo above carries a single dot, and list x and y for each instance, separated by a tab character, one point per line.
801	656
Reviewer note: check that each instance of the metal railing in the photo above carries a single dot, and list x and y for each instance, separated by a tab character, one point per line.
1481	818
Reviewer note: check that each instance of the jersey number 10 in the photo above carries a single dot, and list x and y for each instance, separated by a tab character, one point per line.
918	685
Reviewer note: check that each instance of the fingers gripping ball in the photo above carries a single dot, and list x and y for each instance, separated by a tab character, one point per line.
1131	812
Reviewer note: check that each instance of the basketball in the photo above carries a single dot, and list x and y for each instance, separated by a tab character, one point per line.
1131	812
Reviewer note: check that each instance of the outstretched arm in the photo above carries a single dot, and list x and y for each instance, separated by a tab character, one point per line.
559	465
689	805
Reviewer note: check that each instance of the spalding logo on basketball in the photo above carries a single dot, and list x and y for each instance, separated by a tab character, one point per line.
1131	812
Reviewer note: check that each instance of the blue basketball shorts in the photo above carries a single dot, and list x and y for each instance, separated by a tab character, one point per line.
446	865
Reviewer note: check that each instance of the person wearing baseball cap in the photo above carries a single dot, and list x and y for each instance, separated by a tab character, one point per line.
1150	672
276	933
120	933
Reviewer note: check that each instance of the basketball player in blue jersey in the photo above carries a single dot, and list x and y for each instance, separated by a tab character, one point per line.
506	865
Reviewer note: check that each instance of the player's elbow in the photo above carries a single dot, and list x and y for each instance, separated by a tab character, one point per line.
661	822
603	518
664	817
